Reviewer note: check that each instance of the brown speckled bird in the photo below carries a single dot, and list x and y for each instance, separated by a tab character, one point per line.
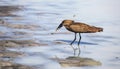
78	27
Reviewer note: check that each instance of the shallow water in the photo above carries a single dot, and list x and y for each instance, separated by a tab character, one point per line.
48	14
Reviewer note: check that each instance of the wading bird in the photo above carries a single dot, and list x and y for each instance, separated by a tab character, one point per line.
78	27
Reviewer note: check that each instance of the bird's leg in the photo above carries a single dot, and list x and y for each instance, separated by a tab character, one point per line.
73	40
79	39
79	50
79	44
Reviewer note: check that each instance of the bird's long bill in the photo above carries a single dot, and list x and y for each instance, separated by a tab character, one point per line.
59	26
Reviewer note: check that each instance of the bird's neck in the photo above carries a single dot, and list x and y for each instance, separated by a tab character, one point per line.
67	26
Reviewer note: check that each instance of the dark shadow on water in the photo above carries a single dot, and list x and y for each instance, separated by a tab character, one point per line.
85	43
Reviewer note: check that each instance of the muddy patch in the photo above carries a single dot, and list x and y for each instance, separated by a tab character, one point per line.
1	33
10	54
20	43
19	26
7	10
10	65
7	57
77	62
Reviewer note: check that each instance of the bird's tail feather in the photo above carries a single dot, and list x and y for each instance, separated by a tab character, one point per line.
95	29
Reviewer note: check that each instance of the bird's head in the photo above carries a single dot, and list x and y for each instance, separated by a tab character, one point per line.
65	23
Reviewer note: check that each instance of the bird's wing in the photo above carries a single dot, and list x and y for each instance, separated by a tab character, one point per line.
80	28
84	28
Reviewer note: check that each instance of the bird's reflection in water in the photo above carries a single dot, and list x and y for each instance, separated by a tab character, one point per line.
77	60
75	50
